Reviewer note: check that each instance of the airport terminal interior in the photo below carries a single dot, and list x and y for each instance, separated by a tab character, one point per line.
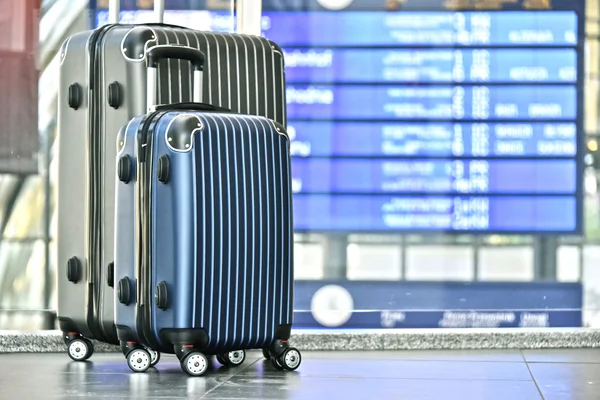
300	199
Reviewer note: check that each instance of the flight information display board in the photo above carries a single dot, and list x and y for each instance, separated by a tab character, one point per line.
437	120
450	117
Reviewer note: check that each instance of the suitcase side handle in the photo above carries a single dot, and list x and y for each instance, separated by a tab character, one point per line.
157	53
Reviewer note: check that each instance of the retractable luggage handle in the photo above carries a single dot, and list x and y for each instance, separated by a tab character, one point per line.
248	14
114	8
157	53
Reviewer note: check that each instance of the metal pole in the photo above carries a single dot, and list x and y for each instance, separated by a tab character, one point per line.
49	317
581	260
545	258
335	257
476	247
402	266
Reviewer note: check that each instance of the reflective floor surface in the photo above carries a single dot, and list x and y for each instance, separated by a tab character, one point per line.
414	375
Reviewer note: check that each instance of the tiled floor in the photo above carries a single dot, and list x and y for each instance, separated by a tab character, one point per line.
414	375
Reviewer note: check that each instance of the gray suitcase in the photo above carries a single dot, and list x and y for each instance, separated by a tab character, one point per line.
102	85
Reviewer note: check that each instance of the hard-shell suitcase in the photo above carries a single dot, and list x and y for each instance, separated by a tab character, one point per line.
207	266
102	86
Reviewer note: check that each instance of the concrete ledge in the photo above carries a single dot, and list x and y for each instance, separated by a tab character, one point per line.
355	340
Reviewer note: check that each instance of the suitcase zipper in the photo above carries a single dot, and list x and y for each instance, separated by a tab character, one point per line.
145	145
94	317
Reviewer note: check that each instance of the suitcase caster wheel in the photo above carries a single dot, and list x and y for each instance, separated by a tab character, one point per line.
290	359
80	349
276	364
266	354
154	357
222	360
195	364
235	358
139	360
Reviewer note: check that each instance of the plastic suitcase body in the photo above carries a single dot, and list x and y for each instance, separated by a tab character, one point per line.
207	266
102	86
84	302
216	265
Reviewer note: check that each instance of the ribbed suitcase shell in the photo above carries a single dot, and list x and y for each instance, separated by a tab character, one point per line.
243	73
219	233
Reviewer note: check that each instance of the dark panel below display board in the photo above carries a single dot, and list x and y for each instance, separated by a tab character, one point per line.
375	305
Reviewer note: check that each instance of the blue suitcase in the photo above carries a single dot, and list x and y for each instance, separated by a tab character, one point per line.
204	235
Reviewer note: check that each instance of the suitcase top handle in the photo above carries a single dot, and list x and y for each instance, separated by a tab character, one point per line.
157	53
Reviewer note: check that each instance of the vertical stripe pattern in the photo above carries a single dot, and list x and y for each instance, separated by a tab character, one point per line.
244	210
244	255
242	73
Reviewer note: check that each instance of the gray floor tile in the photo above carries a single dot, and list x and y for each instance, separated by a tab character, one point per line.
563	355
97	365
365	368
417	375
104	376
298	387
567	381
424	355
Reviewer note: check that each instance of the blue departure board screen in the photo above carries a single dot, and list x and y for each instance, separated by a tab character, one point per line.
439	116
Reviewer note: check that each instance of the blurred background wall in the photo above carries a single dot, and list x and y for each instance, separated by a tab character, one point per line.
31	33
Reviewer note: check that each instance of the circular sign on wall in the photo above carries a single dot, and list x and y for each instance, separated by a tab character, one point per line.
334	4
332	306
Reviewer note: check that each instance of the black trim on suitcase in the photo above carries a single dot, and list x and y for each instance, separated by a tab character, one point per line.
144	291
176	337
94	320
192	107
